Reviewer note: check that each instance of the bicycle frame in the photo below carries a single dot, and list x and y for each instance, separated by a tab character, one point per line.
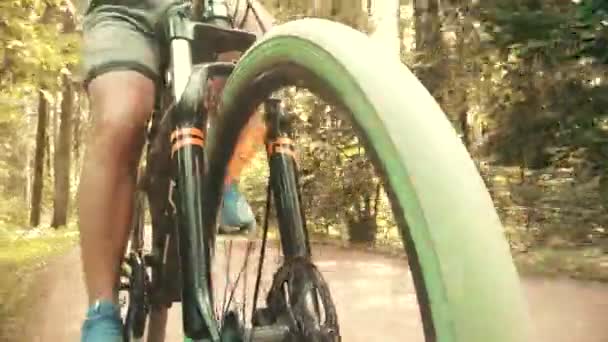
187	120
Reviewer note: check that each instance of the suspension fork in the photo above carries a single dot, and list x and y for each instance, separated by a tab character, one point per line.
195	243
284	182
188	121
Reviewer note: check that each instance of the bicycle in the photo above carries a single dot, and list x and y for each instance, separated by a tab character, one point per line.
466	283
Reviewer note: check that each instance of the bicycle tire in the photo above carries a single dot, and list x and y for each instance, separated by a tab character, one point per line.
467	285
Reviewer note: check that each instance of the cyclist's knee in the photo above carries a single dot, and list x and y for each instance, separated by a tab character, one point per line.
121	103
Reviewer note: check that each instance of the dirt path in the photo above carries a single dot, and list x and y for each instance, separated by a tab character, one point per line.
563	310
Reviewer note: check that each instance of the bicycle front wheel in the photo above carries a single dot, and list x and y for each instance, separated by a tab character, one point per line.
467	286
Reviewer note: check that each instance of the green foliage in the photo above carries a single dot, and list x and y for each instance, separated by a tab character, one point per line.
348	12
13	212
38	45
524	32
13	207
338	181
339	185
35	50
592	18
554	30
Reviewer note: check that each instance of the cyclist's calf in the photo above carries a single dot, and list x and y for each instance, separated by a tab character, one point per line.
120	103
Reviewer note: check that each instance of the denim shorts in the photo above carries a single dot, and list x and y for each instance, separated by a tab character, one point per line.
121	35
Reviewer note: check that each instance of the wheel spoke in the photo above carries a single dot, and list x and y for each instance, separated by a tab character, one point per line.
228	252
238	278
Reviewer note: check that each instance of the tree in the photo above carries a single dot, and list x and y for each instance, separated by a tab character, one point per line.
460	48
63	148
63	156
428	42
33	52
38	184
322	8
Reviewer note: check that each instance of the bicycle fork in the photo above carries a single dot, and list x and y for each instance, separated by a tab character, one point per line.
284	183
188	120
187	139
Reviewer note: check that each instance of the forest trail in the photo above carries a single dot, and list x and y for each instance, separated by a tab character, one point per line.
563	310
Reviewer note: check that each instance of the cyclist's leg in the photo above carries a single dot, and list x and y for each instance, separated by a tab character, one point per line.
120	63
237	214
252	136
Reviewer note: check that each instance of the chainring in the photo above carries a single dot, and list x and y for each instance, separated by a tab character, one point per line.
292	285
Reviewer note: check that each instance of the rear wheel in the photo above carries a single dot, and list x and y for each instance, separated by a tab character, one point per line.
466	283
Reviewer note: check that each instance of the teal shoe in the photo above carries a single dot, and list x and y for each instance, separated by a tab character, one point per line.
103	324
236	216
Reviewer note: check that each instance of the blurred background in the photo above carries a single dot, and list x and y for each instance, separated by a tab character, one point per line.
522	81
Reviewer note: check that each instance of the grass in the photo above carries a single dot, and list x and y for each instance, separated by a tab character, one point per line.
22	252
582	263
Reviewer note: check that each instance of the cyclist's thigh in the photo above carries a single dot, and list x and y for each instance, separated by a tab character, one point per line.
118	36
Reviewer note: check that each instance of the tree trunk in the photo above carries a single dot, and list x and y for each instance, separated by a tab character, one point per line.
386	26
427	24
38	182
454	99
322	8
377	198
351	12
47	145
28	178
76	124
428	41
55	114
28	163
62	156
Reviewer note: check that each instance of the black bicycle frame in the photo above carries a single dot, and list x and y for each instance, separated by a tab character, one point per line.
188	121
194	46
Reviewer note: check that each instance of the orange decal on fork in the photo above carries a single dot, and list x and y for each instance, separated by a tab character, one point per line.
180	132
186	136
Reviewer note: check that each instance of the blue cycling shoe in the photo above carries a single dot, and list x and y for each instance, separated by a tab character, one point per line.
236	216
103	323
